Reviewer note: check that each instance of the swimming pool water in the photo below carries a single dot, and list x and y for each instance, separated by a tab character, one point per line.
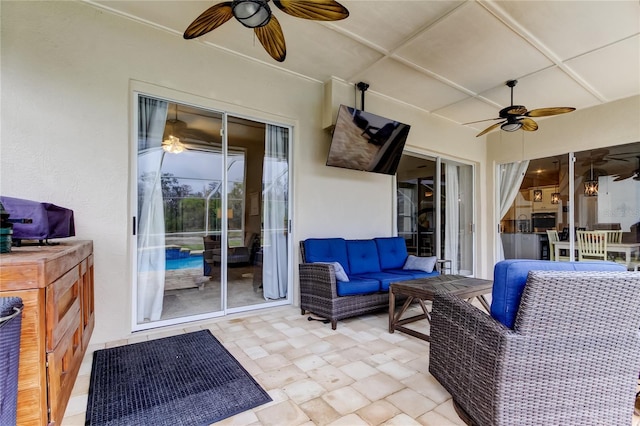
193	261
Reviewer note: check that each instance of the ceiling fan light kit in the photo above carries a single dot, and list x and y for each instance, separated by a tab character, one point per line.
516	117
251	13
257	14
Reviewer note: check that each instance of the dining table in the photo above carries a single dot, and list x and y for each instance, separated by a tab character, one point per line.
628	249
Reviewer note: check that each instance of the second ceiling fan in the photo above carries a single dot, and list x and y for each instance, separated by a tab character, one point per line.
256	14
517	117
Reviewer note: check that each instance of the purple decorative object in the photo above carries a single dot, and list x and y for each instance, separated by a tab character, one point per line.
33	220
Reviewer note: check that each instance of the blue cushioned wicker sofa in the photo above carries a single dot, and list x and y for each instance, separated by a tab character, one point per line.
344	278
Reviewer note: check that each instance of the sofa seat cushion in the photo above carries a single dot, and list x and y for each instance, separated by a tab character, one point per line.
392	252
357	285
384	278
413	273
363	257
327	250
510	277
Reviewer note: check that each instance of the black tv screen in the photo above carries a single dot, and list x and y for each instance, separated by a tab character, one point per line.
365	141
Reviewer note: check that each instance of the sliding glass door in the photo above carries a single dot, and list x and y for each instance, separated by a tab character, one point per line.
435	210
212	213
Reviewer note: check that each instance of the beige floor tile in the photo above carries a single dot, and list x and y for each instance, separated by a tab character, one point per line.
277	379
319	411
378	412
283	413
303	390
446	410
377	386
345	400
330	377
402	420
358	370
349	420
82	385
309	362
77	404
74	420
396	369
427	385
434	419
272	362
411	402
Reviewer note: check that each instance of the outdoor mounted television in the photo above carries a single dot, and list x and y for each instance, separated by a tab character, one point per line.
365	141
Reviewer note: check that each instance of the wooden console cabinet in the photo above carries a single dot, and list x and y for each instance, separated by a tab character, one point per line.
56	286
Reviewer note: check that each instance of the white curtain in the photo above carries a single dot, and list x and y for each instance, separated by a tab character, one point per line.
274	197
452	225
152	116
511	176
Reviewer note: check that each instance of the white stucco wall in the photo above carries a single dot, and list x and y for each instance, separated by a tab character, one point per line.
67	74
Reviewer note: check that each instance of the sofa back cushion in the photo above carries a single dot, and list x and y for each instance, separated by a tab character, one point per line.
392	252
363	256
326	250
510	277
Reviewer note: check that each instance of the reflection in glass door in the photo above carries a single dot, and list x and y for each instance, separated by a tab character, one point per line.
212	214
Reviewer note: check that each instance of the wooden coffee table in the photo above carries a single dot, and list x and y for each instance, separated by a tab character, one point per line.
423	289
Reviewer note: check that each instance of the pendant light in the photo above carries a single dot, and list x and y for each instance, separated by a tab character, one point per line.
555	197
591	186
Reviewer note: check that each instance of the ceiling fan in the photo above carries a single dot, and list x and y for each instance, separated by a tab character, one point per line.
256	14
516	117
635	174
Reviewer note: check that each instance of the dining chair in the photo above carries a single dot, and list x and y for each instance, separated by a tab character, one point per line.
592	245
553	236
614	236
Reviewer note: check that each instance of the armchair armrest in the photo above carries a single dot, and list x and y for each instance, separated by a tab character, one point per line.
465	352
317	279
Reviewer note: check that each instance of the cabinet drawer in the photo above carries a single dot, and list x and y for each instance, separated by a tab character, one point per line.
63	364
63	307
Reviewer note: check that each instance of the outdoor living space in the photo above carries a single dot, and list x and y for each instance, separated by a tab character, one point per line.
359	374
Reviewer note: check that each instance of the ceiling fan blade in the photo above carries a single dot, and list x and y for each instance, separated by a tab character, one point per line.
490	128
318	10
623	176
480	121
272	39
515	110
545	112
528	124
209	20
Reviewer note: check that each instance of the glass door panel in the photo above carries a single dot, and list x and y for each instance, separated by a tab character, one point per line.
607	200
179	175
456	209
422	193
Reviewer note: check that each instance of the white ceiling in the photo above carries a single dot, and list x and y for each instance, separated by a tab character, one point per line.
450	58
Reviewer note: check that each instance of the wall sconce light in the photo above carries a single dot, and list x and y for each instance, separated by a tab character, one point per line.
537	195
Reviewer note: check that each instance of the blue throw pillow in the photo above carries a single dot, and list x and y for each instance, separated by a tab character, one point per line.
341	275
416	263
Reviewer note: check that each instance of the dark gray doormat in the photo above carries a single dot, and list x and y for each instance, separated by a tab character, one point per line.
184	380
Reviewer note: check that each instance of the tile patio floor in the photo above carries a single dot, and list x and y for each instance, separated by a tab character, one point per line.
358	374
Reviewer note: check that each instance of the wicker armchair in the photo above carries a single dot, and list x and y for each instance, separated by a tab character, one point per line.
572	357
